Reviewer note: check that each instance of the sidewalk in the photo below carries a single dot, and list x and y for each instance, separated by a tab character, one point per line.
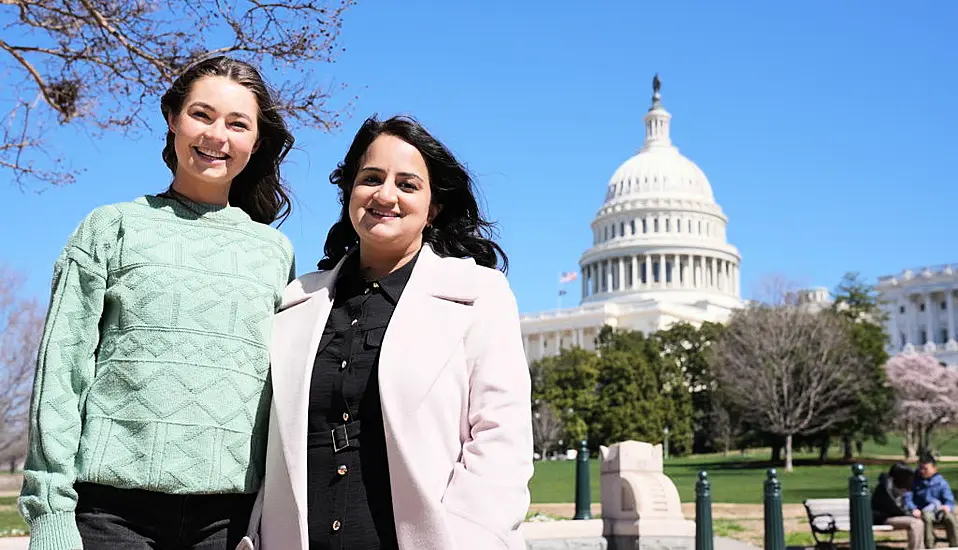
14	543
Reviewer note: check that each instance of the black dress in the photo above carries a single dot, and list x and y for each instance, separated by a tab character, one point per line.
349	499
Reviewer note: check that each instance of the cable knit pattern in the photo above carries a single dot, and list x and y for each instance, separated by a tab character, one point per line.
153	368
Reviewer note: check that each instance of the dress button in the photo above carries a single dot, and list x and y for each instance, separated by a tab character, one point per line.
342	469
345	417
336	525
342	366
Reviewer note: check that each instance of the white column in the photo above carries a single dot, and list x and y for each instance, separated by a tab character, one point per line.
648	271
608	275
542	345
525	345
558	337
907	319
714	272
585	278
930	329
635	271
950	305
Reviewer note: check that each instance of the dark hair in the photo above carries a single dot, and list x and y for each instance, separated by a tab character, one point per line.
901	475
927	458
458	230
258	189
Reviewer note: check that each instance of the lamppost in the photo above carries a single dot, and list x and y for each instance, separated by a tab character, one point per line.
666	444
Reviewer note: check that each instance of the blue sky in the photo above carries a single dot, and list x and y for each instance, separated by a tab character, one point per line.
827	129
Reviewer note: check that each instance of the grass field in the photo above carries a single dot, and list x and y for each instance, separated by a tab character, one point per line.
10	522
738	478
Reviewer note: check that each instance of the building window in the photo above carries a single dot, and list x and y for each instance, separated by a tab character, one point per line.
632	224
903	340
921	307
606	237
655	225
901	309
924	337
690	226
678	226
621	229
645	226
944	336
944	306
700	227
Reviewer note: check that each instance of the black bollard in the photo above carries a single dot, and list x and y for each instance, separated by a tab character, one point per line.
704	538
861	510
774	528
583	506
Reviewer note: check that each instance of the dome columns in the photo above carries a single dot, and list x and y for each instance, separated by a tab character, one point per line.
658	271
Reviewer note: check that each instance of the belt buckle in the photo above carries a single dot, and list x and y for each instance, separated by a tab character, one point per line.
332	434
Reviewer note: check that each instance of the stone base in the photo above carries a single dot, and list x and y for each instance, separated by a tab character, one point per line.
592	543
624	542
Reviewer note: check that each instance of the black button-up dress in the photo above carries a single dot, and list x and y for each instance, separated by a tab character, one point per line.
349	499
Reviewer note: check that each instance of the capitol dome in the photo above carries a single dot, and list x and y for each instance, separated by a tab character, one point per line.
659	230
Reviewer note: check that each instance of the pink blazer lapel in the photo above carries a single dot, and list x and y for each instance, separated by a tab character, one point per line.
428	324
297	330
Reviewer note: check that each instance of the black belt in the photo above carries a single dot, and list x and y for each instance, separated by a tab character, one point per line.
341	437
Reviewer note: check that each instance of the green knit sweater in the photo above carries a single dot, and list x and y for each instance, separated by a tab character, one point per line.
153	367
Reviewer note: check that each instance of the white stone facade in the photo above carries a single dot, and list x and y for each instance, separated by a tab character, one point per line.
920	309
659	252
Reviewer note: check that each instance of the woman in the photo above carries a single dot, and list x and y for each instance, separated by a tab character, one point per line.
401	411
149	411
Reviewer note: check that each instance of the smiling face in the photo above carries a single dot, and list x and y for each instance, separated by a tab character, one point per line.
391	201
215	134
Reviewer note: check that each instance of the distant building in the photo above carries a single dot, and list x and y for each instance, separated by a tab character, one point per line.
659	253
920	309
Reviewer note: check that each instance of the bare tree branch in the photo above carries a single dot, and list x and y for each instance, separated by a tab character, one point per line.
21	322
100	63
788	371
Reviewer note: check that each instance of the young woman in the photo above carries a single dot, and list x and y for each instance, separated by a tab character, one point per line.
401	416
148	420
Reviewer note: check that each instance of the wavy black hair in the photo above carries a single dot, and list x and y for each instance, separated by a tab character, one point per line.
458	230
258	189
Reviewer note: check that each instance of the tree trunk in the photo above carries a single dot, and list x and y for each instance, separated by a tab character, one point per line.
823	448
848	452
909	442
777	452
788	453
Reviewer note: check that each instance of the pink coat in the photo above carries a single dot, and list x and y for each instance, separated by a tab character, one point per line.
455	394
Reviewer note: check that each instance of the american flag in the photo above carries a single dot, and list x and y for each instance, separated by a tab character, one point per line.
568	277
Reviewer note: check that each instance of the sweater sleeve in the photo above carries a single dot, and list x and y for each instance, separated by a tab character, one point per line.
65	369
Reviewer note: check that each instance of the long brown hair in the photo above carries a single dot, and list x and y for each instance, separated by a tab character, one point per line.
258	190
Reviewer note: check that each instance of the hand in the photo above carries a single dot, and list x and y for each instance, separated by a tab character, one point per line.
946	508
916	513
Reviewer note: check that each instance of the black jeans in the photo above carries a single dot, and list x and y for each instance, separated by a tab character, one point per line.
132	519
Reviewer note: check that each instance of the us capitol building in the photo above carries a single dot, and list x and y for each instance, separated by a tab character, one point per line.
659	253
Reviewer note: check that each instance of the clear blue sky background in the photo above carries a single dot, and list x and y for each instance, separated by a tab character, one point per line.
827	129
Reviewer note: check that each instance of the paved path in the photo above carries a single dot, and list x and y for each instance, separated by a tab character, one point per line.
14	543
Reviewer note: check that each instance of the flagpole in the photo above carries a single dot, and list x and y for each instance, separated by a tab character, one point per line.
559	292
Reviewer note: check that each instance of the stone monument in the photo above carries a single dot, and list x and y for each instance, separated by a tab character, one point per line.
640	504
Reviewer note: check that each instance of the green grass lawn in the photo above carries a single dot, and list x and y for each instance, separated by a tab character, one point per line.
10	522
735	479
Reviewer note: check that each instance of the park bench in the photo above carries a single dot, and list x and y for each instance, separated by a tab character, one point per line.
827	516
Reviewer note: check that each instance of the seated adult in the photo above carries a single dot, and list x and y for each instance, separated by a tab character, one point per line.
889	503
931	500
